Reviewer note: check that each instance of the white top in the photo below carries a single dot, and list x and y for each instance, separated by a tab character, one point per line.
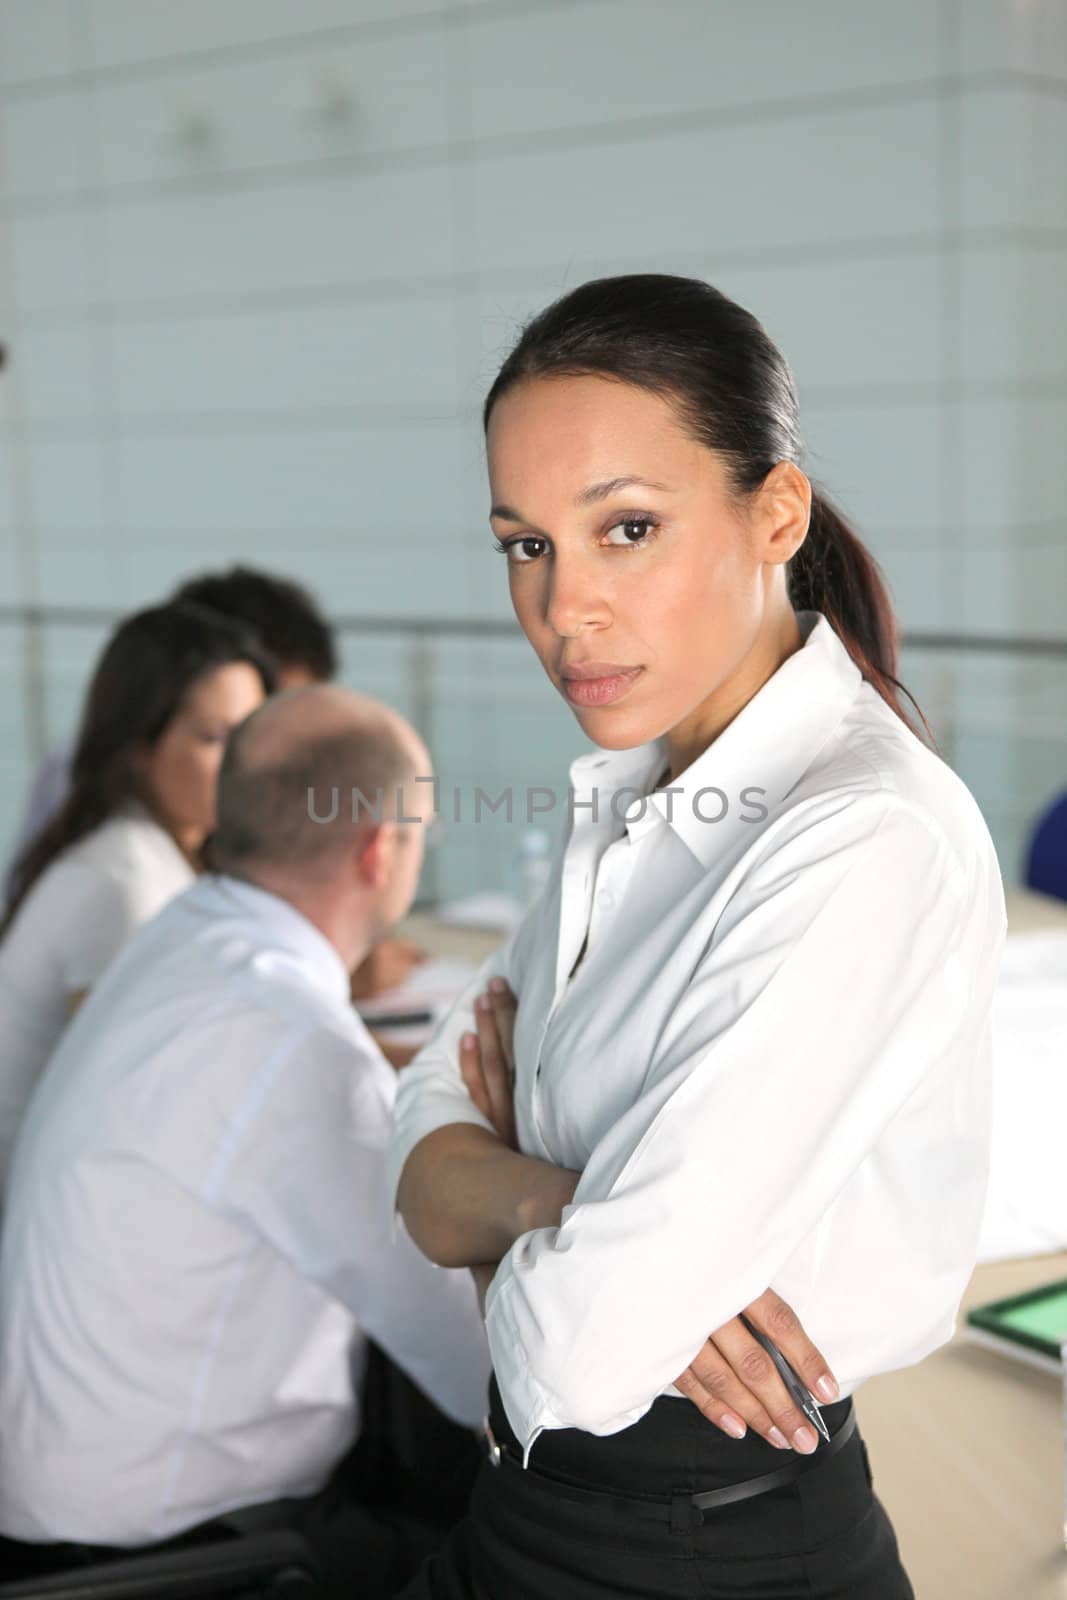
771	1067
198	1238
72	924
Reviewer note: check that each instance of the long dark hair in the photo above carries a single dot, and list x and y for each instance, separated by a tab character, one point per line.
684	340
147	668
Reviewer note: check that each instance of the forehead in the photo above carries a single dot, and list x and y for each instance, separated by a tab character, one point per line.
235	682
556	432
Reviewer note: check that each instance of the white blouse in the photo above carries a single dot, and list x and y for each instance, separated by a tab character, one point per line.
771	1067
72	924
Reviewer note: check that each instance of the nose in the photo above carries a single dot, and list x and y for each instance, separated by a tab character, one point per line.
574	599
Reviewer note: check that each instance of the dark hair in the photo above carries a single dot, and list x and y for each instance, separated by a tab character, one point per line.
146	670
684	340
281	614
296	808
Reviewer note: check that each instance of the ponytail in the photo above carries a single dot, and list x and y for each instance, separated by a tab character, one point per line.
834	573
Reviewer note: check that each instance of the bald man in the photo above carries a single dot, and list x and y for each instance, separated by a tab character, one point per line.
197	1236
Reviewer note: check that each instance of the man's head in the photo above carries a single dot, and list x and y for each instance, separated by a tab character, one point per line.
317	796
282	615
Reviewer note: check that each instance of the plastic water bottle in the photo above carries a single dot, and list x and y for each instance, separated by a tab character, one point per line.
531	866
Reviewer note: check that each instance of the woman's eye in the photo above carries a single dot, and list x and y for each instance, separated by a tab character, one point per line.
635	531
516	549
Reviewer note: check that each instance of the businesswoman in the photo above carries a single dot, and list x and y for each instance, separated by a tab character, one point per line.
171	683
750	1049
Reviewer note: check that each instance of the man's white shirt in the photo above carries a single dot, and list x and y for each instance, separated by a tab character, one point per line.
771	1067
198	1238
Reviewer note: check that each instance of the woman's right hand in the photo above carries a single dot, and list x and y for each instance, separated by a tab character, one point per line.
735	1384
487	1058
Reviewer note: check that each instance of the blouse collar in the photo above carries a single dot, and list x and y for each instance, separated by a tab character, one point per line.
761	754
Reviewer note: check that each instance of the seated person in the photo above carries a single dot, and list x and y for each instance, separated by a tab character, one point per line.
201	1176
282	615
287	624
1046	859
169	687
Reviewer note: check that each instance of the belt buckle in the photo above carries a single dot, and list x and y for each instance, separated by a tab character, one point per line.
493	1449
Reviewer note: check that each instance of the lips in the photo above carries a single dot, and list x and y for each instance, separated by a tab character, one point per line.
595	669
602	690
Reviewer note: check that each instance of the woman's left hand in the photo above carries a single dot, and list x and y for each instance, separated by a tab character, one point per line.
487	1058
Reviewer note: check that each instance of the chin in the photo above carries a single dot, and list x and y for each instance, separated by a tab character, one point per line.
615	732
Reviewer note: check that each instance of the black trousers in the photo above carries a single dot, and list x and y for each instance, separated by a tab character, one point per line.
387	1506
557	1531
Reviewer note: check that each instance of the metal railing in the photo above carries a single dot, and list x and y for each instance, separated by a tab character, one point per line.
942	657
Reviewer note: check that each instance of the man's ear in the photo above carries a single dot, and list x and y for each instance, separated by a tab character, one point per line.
373	852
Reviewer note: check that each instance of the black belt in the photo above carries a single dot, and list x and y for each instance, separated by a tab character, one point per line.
676	1510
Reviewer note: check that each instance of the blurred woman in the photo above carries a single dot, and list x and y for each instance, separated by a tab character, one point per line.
170	686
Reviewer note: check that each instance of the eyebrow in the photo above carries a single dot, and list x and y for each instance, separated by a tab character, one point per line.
610	486
589	496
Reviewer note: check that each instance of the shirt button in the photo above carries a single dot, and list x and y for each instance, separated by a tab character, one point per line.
605	899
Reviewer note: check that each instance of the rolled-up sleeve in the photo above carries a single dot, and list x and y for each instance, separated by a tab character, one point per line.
851	966
431	1093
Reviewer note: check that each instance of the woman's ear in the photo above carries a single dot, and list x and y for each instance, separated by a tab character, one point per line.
782	513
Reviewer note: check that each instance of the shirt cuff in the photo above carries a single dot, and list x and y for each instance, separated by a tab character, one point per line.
519	1341
525	1402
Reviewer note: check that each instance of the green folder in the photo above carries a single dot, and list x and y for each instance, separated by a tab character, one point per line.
1031	1326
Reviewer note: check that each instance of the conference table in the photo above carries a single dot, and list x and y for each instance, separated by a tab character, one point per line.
967	1449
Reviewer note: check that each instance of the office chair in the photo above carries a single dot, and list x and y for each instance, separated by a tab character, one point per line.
1046	860
262	1566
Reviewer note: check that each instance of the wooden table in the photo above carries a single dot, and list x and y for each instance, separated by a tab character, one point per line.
1028	912
967	1451
466	944
967	1448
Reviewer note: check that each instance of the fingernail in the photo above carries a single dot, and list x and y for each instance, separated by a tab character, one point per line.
805	1441
482	1003
467	1041
778	1439
498	985
733	1425
826	1388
